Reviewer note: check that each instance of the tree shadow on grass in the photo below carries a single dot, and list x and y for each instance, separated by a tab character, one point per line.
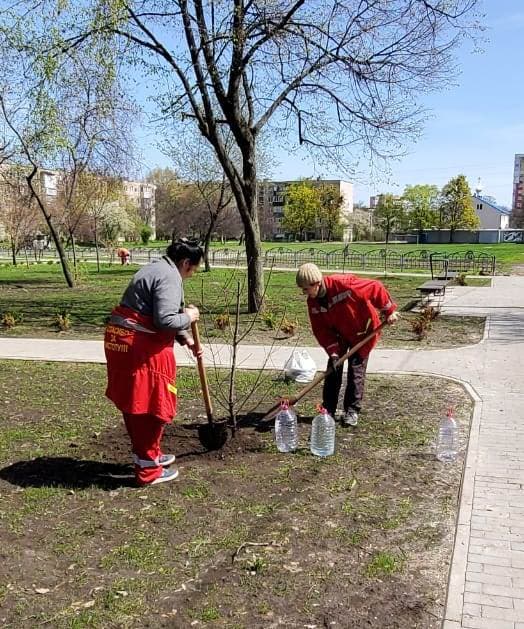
68	473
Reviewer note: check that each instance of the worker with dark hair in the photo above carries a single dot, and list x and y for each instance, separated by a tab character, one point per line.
141	368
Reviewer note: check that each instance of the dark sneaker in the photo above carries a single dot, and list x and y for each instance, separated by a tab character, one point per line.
166	476
166	459
349	418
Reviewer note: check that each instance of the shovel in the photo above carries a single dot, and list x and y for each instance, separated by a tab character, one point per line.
298	396
212	435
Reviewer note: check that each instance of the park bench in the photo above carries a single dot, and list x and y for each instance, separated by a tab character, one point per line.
433	287
447	275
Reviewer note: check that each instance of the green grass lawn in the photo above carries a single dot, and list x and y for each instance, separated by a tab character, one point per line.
37	294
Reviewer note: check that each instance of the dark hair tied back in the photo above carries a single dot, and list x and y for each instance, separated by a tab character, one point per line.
185	249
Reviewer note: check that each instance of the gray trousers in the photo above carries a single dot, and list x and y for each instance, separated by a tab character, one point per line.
356	378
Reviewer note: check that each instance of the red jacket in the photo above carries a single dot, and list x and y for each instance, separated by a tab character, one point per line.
348	312
141	368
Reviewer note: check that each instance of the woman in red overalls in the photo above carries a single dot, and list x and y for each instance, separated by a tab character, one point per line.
123	254
141	369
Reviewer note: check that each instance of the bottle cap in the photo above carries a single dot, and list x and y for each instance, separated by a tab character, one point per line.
449	412
321	409
284	405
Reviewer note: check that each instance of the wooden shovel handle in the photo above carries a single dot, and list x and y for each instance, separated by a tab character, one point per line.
318	379
202	373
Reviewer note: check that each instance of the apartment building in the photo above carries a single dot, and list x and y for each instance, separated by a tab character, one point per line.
271	197
518	191
142	195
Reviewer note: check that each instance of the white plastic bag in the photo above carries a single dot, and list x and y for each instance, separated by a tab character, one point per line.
300	367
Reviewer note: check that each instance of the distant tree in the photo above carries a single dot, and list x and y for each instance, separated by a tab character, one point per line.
389	214
197	164
301	208
329	212
420	203
145	234
119	218
167	185
191	211
100	196
361	230
456	207
18	213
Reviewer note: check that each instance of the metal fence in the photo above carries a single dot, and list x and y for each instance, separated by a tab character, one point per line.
344	258
371	260
83	254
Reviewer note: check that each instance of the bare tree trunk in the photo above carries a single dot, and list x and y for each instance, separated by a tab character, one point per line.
246	198
56	239
72	237
388	229
255	268
13	251
207	240
96	247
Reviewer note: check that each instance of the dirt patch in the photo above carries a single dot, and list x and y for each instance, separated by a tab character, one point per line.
183	441
247	537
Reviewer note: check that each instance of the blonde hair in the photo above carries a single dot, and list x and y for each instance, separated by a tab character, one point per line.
308	274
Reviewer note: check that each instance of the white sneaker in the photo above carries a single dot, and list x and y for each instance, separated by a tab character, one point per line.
166	476
166	459
349	418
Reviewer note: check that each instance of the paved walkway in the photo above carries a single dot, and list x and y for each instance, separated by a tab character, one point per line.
486	587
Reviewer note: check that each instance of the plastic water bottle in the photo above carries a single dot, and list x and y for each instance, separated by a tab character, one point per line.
323	434
286	430
448	438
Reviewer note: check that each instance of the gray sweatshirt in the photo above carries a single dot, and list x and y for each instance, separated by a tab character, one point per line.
156	290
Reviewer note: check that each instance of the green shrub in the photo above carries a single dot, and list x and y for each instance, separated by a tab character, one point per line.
269	318
145	234
11	319
222	321
289	327
63	319
421	325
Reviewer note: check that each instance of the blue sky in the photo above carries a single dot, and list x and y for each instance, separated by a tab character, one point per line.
475	127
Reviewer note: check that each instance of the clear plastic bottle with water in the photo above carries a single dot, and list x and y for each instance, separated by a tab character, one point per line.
286	429
323	434
448	439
